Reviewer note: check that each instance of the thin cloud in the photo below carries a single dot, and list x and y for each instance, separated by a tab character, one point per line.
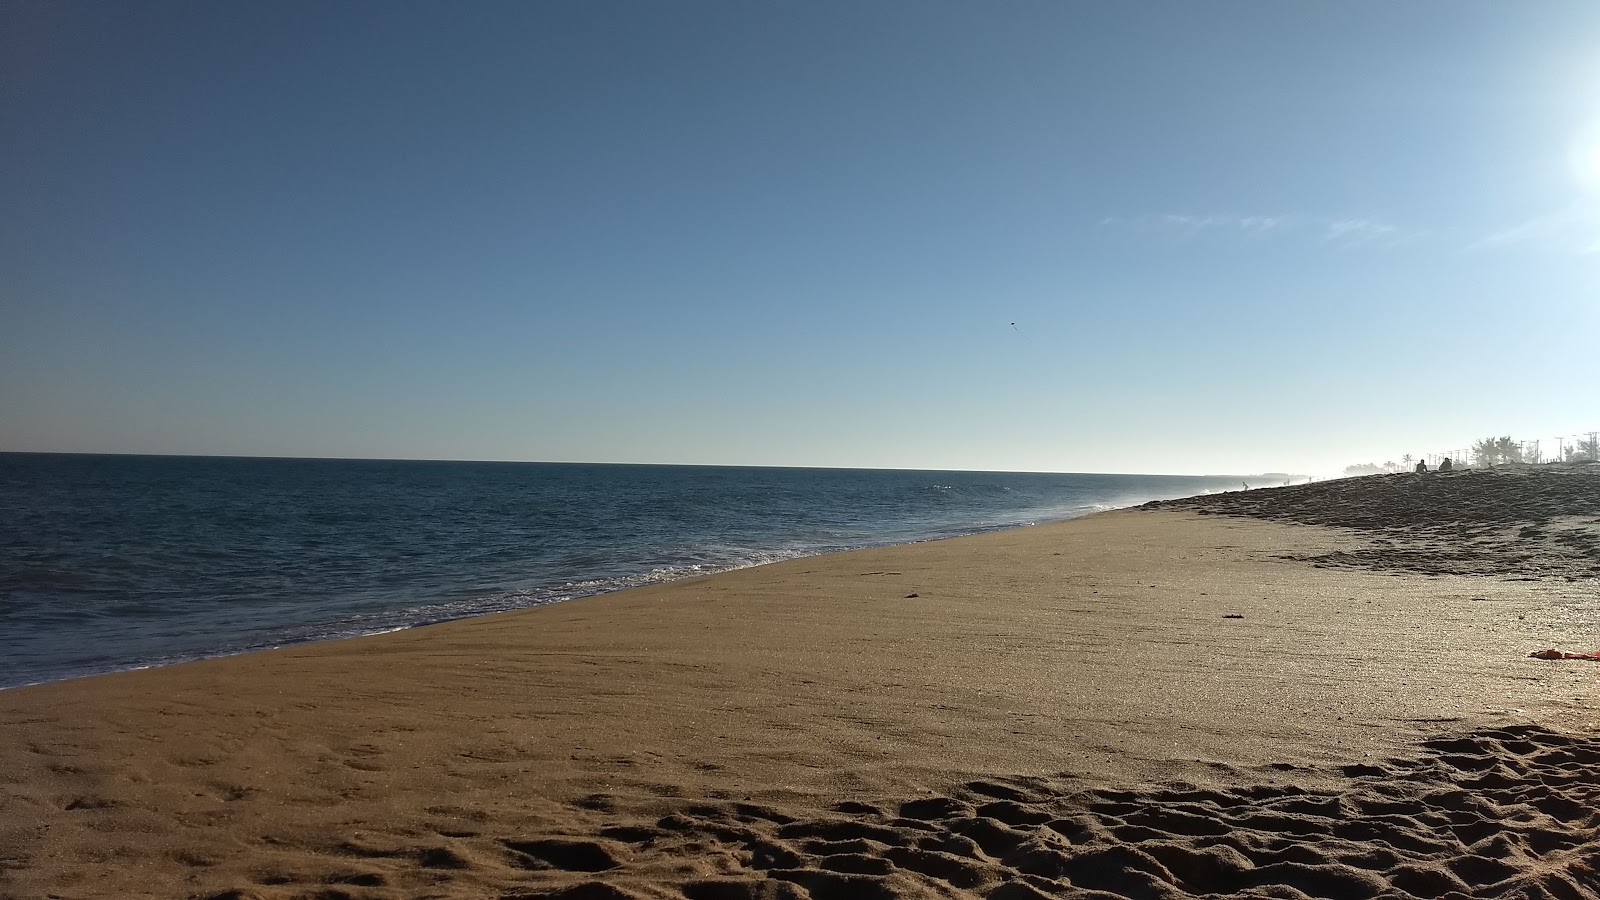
1570	231
1355	232
1343	233
1242	224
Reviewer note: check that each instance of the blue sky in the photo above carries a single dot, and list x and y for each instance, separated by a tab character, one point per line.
1232	236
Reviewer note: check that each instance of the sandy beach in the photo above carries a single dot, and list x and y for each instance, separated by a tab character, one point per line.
1321	690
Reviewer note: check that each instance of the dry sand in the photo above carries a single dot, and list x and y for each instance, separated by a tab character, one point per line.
1240	695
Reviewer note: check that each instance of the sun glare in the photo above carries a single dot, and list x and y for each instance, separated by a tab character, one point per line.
1585	158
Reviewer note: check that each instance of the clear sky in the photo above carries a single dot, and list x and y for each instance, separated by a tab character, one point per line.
1232	236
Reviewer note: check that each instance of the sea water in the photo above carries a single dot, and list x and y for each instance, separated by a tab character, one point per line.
120	562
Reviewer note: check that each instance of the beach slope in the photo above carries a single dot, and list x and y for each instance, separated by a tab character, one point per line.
1270	693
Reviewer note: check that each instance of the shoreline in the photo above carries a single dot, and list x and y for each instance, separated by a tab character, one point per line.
578	595
739	730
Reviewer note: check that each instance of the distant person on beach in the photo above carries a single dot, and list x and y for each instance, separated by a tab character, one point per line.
1422	467
1444	464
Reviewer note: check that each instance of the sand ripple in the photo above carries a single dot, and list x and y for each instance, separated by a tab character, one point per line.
1503	813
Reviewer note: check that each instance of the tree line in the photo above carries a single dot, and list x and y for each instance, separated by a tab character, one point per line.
1493	451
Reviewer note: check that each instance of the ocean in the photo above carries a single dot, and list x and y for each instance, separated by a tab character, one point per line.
120	562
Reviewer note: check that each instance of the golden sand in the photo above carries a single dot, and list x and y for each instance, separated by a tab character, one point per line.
1149	702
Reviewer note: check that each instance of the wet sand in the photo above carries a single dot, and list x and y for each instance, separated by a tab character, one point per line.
1245	694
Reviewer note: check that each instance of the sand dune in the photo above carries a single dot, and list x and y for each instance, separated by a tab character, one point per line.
1521	522
1149	703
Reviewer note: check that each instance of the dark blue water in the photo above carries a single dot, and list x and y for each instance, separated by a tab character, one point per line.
116	562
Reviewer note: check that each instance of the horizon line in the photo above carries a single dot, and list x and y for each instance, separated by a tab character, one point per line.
562	462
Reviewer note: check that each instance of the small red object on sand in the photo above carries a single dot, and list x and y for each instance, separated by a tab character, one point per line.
1557	654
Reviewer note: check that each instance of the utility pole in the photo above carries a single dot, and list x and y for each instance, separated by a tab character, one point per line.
1561	449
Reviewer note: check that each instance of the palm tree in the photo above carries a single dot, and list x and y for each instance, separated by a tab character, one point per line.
1495	450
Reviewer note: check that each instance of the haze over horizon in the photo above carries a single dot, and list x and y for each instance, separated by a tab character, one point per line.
1238	237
